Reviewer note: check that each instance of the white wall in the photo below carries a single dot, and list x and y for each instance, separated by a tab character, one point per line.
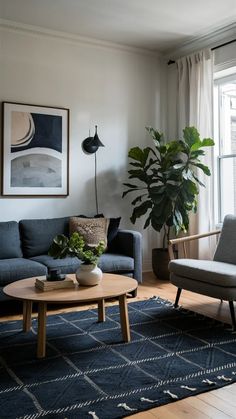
115	88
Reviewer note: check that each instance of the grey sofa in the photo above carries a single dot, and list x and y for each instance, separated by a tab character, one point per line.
24	251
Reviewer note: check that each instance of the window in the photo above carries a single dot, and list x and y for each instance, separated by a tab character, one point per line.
225	138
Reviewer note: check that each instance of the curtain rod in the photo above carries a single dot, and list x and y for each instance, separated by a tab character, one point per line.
212	49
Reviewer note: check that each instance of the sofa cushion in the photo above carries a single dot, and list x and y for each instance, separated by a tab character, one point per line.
19	268
110	262
112	230
67	265
37	235
10	245
212	272
93	230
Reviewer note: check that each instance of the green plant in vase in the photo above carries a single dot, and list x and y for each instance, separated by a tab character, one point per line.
88	273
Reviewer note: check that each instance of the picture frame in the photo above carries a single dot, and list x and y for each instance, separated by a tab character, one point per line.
35	150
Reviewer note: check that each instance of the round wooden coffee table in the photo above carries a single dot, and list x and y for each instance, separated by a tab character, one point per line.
111	286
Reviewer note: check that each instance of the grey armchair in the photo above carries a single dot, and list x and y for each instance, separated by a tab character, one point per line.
214	278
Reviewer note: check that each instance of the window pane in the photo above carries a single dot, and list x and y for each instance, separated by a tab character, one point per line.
228	186
227	102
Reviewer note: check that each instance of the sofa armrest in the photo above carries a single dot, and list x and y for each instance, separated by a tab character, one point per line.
129	243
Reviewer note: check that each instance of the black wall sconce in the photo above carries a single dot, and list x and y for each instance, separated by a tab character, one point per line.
90	146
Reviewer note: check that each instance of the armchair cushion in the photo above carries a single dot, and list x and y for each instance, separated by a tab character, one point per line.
225	251
211	272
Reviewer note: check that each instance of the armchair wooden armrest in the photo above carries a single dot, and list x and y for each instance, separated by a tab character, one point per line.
183	240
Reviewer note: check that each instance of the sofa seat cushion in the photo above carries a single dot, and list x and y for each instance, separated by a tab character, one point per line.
110	262
19	268
67	265
37	235
211	272
10	245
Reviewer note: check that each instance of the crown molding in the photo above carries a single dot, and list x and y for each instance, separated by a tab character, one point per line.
17	27
210	40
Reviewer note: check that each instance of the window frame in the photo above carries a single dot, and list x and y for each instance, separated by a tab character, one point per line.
221	77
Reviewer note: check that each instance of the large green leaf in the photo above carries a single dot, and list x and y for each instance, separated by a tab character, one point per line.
140	210
126	192
171	191
136	153
204	168
138	199
196	153
156	135
138	174
147	222
130	185
135	164
141	156
207	142
198	181
191	136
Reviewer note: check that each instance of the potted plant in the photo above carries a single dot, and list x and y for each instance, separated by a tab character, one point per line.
88	273
167	184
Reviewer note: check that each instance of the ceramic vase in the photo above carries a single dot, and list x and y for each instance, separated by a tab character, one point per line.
88	275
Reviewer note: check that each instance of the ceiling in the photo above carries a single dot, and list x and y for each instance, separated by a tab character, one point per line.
158	25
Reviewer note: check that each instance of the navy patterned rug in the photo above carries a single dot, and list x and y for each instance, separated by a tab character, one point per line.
89	373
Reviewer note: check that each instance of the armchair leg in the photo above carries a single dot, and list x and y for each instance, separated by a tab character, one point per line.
177	297
231	307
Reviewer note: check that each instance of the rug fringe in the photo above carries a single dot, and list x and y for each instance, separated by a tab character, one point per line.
143	399
93	414
189	388
172	395
126	407
222	377
209	382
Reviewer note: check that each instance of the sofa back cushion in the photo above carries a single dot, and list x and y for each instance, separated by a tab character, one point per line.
93	230
10	245
37	235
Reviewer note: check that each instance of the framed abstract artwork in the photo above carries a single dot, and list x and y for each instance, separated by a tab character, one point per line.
35	150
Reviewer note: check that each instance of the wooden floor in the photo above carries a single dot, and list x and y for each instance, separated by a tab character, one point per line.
217	404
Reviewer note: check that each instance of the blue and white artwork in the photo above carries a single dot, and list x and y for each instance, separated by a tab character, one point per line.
35	150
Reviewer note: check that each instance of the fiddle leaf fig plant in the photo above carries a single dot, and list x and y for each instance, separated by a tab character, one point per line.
63	246
165	180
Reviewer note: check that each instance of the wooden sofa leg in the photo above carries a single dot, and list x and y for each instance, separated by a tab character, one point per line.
177	297
231	307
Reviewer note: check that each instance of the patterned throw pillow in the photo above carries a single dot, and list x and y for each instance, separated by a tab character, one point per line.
92	229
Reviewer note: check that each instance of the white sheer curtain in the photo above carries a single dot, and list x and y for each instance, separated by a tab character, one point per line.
195	108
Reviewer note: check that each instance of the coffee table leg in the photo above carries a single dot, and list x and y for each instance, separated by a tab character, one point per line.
27	313
101	310
41	348
124	318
